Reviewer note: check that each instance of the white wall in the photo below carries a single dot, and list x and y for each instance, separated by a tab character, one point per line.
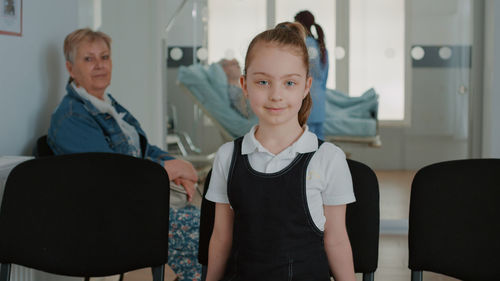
491	99
437	129
137	29
434	133
411	149
33	76
32	80
32	73
186	32
133	27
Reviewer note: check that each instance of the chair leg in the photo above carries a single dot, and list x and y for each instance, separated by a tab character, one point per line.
5	272
121	277
159	273
369	276
416	275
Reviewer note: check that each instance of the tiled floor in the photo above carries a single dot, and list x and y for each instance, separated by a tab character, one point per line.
394	193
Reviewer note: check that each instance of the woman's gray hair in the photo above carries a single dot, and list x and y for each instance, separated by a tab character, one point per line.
75	38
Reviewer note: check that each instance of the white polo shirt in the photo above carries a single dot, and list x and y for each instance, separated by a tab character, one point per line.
328	180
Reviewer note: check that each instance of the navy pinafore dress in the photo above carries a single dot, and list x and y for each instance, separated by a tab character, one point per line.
274	236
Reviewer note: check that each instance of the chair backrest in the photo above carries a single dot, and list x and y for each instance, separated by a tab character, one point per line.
42	148
89	214
454	220
207	218
362	220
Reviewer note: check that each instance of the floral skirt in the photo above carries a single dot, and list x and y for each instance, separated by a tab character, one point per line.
183	243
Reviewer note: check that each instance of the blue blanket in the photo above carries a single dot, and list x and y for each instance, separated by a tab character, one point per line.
345	116
351	116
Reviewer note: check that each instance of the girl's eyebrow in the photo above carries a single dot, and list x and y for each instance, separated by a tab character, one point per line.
266	74
292	74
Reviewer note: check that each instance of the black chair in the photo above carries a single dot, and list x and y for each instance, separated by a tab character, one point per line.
454	220
207	218
42	148
362	221
85	215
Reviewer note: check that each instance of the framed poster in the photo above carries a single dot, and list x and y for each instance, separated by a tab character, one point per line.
11	17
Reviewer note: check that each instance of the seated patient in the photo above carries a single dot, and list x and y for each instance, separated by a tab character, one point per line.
89	119
236	97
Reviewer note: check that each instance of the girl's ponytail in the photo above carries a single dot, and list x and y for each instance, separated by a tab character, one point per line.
321	41
305	109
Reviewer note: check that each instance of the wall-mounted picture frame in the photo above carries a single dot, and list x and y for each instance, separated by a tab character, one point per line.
11	17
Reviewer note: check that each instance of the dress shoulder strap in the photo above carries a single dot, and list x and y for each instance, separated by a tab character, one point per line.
236	152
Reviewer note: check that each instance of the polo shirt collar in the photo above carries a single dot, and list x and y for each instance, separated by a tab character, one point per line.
307	142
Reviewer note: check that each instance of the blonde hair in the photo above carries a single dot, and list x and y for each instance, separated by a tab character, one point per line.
75	38
286	34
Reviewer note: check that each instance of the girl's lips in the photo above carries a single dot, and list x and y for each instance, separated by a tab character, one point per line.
274	109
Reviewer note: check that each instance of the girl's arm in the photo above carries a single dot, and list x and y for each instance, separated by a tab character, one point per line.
220	242
337	245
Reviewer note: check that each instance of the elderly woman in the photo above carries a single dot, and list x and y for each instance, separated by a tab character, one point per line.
90	120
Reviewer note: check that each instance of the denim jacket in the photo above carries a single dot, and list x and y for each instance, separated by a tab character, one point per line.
77	126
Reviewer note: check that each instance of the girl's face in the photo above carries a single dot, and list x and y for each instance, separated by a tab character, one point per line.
275	84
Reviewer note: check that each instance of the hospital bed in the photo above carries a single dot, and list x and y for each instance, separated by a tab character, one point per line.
348	119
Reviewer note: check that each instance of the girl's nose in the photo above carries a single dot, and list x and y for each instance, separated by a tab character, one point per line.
275	93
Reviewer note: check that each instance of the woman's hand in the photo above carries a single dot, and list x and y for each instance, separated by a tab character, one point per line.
188	185
177	168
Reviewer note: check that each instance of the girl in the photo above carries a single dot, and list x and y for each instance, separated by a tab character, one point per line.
280	193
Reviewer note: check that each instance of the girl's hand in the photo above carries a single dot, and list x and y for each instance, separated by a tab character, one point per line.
177	168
